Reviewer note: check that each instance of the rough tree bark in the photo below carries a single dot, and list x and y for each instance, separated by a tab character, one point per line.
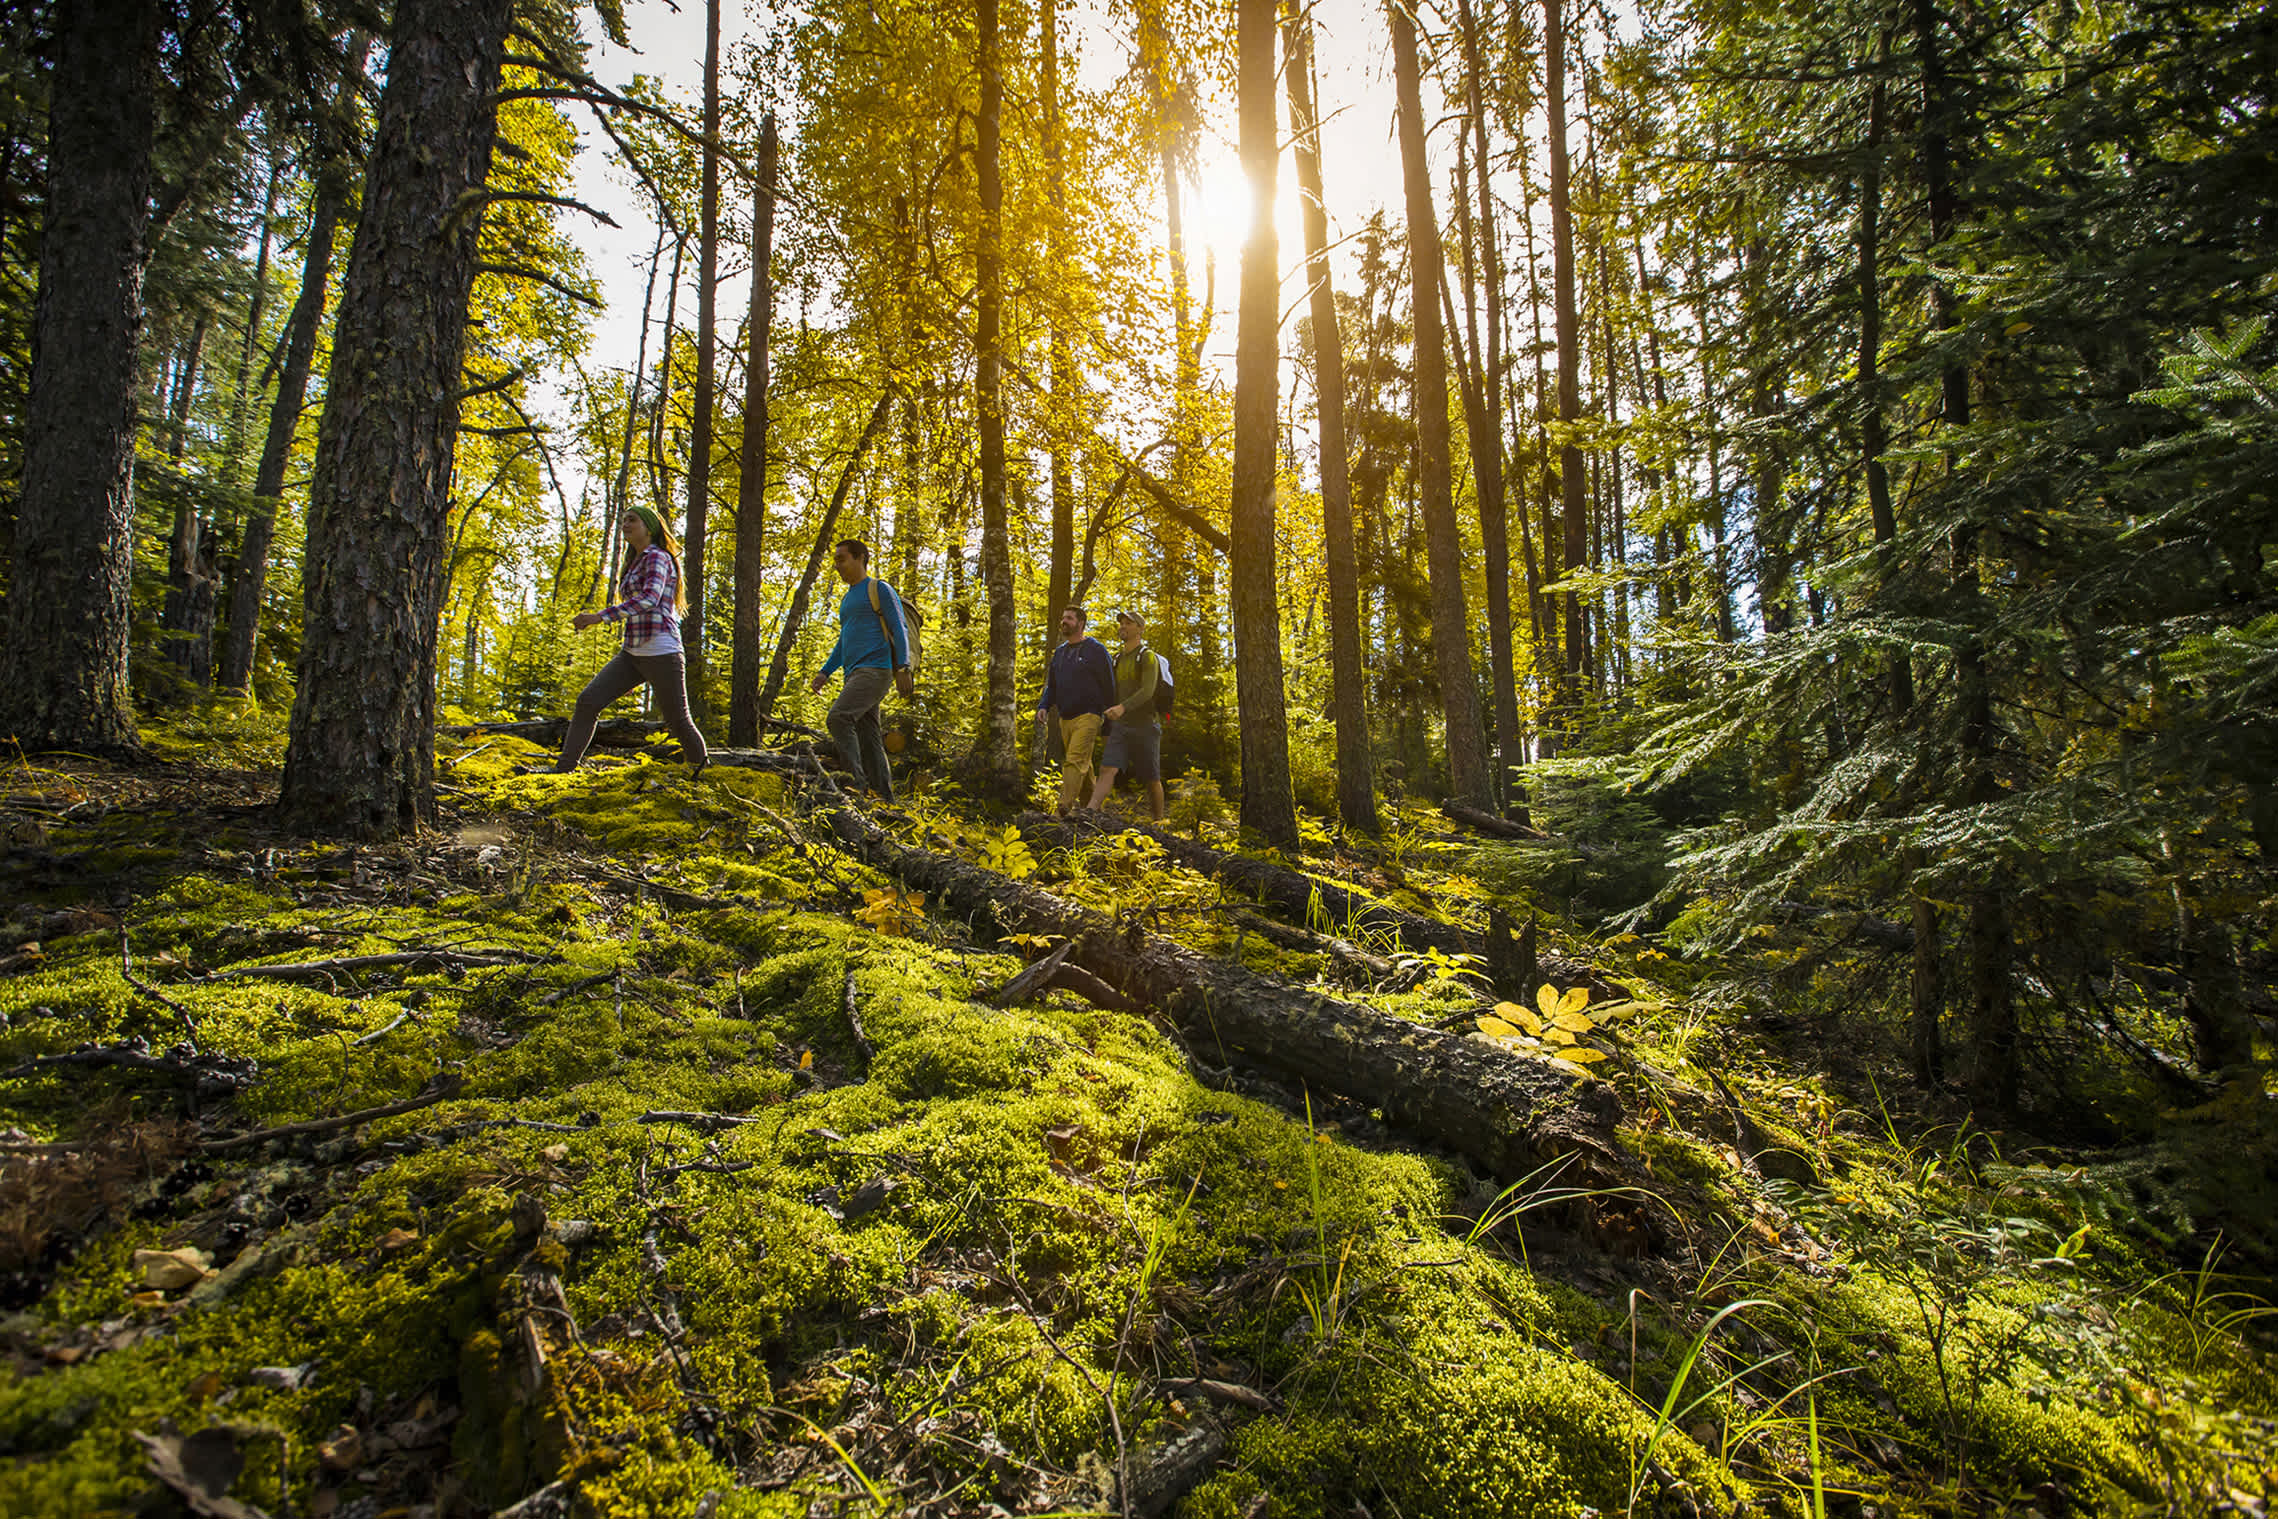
1267	802
751	489
993	763
63	655
700	430
1451	632
361	756
1356	779
1503	1111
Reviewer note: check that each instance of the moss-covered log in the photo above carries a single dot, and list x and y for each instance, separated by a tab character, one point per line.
1502	1111
1296	894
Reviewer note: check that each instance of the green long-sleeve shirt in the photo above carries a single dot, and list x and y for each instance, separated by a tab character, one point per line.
1135	672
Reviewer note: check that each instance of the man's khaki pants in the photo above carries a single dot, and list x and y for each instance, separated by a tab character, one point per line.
1078	735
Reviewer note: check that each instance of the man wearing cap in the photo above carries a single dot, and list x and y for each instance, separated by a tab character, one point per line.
1080	682
1135	741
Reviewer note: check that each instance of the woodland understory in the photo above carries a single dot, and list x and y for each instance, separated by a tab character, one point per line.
624	1145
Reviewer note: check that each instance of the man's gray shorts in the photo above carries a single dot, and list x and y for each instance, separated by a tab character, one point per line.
1134	749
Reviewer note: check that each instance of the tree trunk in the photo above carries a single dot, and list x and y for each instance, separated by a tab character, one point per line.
1267	804
1503	1111
182	560
1064	380
63	659
621	496
1451	631
824	538
250	582
360	759
994	763
1487	452
249	340
700	432
1567	328
751	492
1356	778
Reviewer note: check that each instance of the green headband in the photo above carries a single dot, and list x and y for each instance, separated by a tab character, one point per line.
649	521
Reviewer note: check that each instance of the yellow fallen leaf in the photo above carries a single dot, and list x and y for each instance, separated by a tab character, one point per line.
1583	1055
397	1239
169	1270
1580	1023
1513	1013
1497	1028
806	1060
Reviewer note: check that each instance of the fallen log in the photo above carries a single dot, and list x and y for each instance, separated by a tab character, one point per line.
1478	820
434	959
1298	895
1505	1112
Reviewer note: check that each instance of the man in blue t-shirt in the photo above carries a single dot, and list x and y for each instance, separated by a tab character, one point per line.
1081	683
874	650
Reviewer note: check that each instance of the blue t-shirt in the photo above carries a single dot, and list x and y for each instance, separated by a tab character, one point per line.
862	644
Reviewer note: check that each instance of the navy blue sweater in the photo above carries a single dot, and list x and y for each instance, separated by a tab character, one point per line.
1080	680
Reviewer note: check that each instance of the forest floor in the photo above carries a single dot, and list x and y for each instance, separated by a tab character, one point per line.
626	1146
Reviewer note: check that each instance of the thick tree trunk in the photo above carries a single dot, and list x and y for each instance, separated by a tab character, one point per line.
1503	1111
1267	804
751	491
250	582
700	432
825	536
1451	630
1356	777
1567	327
360	759
994	762
63	656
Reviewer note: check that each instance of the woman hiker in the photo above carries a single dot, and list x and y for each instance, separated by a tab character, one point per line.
650	604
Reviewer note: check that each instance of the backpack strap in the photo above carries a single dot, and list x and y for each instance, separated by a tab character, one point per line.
878	610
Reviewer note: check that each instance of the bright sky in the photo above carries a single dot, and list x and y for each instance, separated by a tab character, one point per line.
1353	61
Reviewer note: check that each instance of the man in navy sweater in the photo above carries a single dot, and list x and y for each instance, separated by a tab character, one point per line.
874	650
1081	683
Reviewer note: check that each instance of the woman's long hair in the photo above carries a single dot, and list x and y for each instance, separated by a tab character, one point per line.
660	536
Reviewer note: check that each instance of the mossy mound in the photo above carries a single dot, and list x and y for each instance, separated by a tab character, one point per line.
678	1230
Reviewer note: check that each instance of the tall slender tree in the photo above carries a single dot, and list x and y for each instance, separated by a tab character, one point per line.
994	761
1356	781
1267	803
1061	571
330	151
63	656
1487	451
1573	505
751	486
693	543
1451	633
361	754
